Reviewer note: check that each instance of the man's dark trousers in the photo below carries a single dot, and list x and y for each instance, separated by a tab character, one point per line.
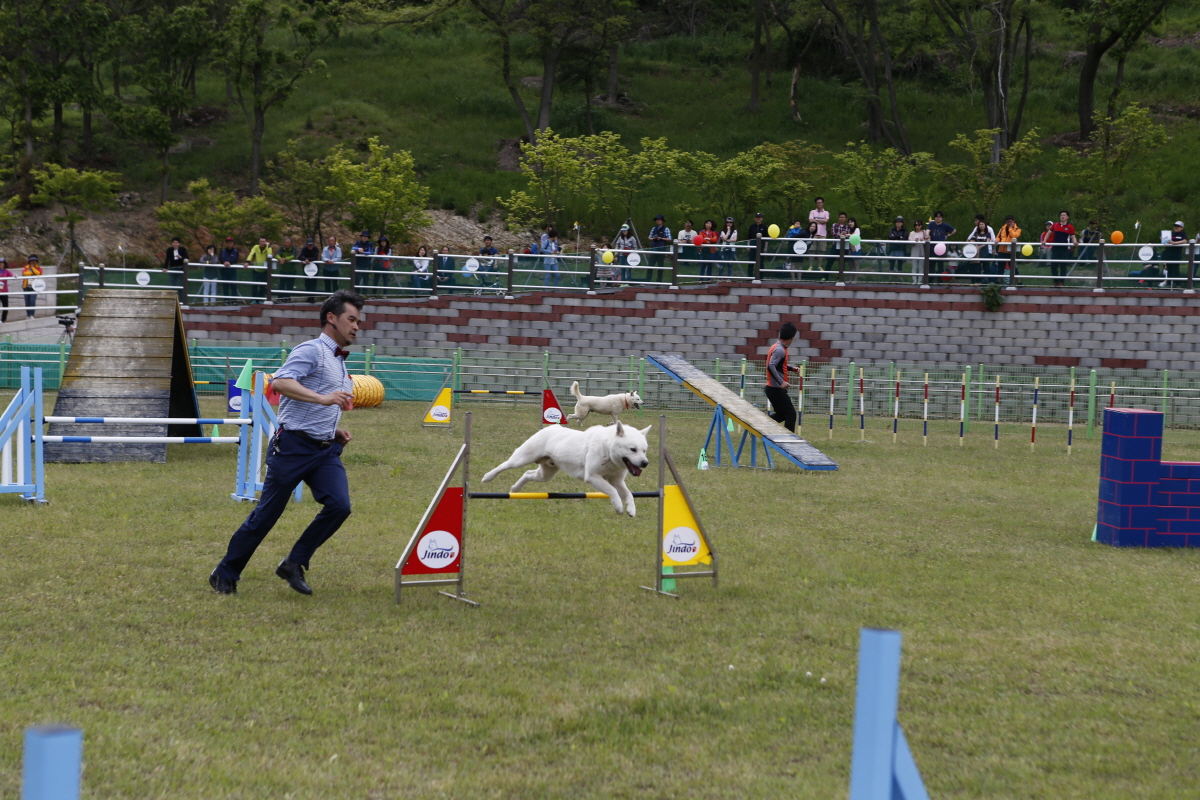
296	459
783	410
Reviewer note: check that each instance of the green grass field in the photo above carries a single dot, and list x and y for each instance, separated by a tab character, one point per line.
1036	663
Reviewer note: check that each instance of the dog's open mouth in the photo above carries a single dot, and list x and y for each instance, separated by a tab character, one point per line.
634	471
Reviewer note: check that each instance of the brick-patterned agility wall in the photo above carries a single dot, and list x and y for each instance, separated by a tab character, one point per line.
1137	330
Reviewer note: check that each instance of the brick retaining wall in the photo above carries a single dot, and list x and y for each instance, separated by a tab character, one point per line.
1155	330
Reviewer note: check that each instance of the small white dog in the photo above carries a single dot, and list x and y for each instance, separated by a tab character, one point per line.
601	456
609	404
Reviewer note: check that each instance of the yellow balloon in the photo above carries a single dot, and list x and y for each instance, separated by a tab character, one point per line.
773	231
607	257
1027	250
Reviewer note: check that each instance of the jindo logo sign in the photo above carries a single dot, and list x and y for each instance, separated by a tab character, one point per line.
552	415
439	413
437	549
681	544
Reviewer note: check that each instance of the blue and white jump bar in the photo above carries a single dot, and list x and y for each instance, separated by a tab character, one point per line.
21	438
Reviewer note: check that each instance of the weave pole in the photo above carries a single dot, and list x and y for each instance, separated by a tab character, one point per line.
925	415
832	389
896	409
1071	417
1033	422
862	407
800	401
997	439
962	411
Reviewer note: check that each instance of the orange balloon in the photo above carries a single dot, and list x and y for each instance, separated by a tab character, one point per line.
1117	237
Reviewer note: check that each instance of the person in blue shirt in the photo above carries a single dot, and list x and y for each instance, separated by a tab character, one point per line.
660	242
362	250
939	231
487	264
229	258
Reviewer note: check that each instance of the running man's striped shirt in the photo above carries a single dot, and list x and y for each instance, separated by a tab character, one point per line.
317	367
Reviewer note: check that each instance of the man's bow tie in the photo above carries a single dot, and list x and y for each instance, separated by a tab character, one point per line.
340	353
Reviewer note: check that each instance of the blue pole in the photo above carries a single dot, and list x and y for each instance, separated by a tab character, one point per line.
52	764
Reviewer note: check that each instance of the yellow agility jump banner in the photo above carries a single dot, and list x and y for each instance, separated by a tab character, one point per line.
438	415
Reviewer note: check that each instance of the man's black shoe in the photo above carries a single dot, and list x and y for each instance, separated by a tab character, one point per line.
293	573
222	585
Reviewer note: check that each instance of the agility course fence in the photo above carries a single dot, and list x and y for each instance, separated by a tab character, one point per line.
417	374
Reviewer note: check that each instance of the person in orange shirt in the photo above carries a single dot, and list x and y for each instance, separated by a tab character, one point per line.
32	270
1007	237
777	378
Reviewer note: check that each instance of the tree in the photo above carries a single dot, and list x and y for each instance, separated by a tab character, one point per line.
859	30
380	193
212	214
556	26
796	17
613	175
75	193
979	183
732	186
882	182
305	190
1110	24
266	47
1100	174
554	168
987	34
799	172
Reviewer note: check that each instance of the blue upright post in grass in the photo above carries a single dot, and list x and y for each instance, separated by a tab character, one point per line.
52	763
881	765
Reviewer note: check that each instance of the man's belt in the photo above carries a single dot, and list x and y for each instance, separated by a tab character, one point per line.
321	443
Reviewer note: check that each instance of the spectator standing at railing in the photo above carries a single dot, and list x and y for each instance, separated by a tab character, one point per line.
487	264
1007	238
362	250
983	237
32	269
940	231
383	247
797	231
727	237
708	236
256	262
759	228
1089	237
821	217
897	245
286	255
420	277
230	255
4	276
177	260
660	242
309	254
208	289
550	264
622	243
918	236
1175	254
855	250
1046	241
330	268
1062	235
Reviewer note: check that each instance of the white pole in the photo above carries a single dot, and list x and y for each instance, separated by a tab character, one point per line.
6	462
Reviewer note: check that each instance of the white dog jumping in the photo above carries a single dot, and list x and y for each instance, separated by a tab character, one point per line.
601	456
609	404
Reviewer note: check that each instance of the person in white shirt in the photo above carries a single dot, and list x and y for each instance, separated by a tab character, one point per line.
820	216
918	236
983	237
728	236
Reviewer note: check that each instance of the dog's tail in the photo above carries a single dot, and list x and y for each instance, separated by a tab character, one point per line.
575	390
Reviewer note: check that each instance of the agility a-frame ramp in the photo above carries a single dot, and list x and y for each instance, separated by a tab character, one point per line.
756	426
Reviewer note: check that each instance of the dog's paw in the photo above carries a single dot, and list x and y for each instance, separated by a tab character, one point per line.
631	511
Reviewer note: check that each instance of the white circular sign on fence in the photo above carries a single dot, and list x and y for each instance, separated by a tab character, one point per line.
38	285
439	413
143	278
970	250
471	266
437	549
310	269
633	259
1146	252
681	544
552	415
800	247
235	403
